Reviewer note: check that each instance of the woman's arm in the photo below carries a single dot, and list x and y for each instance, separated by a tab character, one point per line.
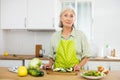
49	65
81	64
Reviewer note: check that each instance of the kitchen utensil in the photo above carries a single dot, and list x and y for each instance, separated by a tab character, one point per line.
13	69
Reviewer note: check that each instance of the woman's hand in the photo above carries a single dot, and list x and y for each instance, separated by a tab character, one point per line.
76	68
47	66
81	64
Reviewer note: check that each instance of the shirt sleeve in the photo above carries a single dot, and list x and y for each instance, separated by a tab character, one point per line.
51	55
86	50
53	44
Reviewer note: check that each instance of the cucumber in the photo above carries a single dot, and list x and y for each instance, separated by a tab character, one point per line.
69	69
41	73
35	72
63	69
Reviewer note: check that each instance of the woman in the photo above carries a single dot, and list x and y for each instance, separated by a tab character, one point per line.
69	47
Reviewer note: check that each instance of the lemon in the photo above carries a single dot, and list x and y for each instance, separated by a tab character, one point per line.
22	71
6	53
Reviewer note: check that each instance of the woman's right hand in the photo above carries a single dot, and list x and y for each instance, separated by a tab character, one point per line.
47	66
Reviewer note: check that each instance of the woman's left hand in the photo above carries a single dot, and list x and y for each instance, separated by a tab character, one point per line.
76	68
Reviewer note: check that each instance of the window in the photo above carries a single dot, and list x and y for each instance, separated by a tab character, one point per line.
83	9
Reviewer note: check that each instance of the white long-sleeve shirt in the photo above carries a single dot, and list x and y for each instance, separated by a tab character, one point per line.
81	43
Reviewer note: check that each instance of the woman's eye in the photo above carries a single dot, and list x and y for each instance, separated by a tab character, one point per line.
66	15
71	15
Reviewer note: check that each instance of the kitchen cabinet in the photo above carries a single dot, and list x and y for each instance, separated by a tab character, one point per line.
13	14
10	63
28	14
40	14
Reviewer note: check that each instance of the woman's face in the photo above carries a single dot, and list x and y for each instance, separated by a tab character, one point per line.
67	18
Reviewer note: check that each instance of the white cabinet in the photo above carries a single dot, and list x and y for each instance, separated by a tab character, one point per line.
13	14
28	14
40	14
43	62
10	63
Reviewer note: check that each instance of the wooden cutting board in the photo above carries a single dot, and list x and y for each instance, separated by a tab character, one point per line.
51	72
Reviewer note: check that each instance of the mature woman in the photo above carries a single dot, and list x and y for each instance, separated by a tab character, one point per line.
69	47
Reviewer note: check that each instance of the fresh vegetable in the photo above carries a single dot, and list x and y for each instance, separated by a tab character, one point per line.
41	73
35	72
105	71
63	69
100	68
69	69
35	63
93	73
101	71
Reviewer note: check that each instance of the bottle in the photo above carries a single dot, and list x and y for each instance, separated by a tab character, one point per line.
107	50
37	49
113	53
41	52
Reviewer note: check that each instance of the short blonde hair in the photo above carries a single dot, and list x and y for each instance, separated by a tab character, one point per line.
62	11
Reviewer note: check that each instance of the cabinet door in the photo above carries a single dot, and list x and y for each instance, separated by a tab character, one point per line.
13	14
40	14
10	63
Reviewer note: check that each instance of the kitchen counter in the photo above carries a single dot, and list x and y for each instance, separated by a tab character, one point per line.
20	57
6	75
28	57
104	59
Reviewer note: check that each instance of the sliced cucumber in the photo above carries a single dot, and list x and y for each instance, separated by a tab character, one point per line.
57	69
63	69
69	69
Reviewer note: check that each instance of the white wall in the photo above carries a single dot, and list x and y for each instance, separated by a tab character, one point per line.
23	41
1	42
106	23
